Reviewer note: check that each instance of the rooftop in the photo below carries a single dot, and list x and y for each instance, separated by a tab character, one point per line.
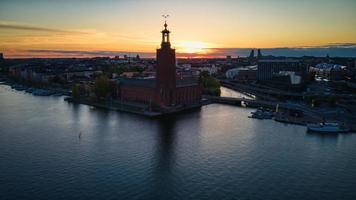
278	61
141	82
151	82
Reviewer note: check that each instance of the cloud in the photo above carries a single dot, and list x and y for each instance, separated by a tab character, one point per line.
134	39
330	45
214	52
35	28
332	50
79	53
340	45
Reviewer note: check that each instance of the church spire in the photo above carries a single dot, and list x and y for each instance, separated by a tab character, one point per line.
165	34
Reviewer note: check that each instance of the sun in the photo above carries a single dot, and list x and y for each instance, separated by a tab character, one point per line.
193	47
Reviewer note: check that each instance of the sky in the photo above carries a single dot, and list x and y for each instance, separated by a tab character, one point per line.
74	28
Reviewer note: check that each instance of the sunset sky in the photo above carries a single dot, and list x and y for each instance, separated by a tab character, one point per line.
57	28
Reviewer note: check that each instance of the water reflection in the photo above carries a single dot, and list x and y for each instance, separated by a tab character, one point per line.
323	136
164	157
329	137
166	145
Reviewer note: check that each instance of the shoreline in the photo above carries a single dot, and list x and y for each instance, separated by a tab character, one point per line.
143	110
134	108
5	80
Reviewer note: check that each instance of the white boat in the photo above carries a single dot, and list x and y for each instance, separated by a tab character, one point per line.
262	113
327	128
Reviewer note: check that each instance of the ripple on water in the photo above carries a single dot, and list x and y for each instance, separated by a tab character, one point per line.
214	153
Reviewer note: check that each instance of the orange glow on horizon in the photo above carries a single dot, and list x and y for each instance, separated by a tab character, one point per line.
198	27
193	47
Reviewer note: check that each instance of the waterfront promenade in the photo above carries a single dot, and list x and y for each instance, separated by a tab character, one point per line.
309	114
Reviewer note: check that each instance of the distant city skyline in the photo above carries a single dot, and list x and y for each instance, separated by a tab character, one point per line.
39	28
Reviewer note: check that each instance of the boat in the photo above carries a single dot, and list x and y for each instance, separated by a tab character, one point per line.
58	94
327	128
30	90
18	87
262	114
42	92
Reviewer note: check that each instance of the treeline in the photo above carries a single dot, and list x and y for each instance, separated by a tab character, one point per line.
102	89
210	84
119	69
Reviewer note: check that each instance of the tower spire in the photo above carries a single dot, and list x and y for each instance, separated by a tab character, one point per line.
166	68
165	33
165	17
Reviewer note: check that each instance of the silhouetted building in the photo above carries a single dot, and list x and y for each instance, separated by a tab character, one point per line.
252	54
259	54
247	73
267	70
167	89
1	56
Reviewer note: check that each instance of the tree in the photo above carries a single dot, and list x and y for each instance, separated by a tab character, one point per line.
101	87
75	91
210	84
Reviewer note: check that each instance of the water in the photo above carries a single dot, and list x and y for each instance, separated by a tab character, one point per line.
214	153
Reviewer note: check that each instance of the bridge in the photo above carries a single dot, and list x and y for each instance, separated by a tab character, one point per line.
243	102
270	93
265	93
253	103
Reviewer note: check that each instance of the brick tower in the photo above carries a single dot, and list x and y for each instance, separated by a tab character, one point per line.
166	69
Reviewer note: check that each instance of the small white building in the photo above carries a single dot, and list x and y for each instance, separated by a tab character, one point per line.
233	73
210	69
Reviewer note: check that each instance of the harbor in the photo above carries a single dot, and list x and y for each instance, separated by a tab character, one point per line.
289	112
34	90
284	112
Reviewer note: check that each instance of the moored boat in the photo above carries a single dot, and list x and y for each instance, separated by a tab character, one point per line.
327	128
262	114
42	92
18	87
29	90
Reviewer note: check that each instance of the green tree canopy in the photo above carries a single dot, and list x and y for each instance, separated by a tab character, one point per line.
210	84
75	91
102	87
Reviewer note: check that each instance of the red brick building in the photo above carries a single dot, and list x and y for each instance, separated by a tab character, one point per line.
165	89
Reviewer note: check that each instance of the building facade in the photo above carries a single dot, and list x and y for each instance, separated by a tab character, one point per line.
166	89
242	73
267	69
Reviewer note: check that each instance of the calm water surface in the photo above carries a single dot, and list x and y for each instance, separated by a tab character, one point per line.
213	153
